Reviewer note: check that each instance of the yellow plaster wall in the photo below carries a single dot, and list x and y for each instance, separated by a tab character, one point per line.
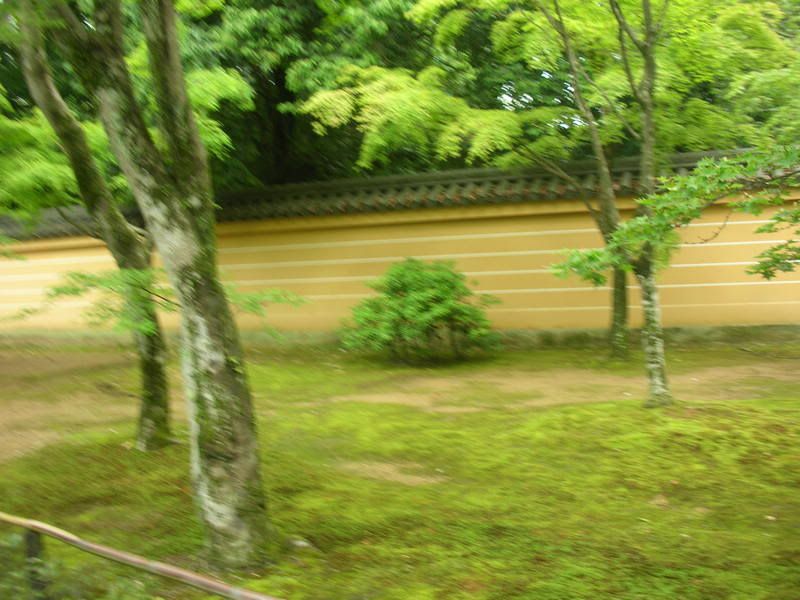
505	249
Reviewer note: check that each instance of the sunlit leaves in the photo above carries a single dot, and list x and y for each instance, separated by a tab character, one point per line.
752	182
331	108
117	298
423	310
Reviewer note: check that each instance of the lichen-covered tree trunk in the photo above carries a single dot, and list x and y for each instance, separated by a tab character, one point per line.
652	332
153	430
618	331
653	341
172	188
128	248
224	450
643	92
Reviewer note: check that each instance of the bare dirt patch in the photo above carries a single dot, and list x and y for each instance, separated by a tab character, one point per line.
396	472
509	388
47	364
563	386
423	401
27	425
732	382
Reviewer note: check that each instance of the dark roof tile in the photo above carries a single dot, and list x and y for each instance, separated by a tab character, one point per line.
463	187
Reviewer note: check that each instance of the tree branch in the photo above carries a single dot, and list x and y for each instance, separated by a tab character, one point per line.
626	65
614	108
110	224
81	228
662	17
75	26
176	118
623	24
164	299
557	171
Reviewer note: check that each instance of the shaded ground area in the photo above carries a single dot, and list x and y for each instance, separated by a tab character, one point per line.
534	474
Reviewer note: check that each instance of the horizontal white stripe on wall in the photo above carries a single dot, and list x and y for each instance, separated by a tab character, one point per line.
478	274
748	243
636	287
454	256
55	307
34	291
66	260
349	261
605	307
86	304
447	238
55	277
722	284
403	240
382	259
30	277
556	290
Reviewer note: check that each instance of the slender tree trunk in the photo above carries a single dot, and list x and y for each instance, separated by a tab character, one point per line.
153	428
652	333
643	92
653	341
607	215
172	188
128	248
618	331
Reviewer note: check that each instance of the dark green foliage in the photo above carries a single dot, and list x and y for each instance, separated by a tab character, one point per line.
62	582
423	311
110	290
5	251
750	183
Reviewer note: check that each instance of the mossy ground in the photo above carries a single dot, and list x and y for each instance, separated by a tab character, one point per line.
511	499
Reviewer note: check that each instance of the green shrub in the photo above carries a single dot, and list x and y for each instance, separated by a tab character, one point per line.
422	311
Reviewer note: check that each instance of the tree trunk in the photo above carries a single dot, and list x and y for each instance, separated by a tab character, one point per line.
652	332
172	188
618	331
607	215
128	248
224	449
153	429
653	341
644	268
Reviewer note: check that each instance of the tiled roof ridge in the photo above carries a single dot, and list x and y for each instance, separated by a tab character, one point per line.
461	187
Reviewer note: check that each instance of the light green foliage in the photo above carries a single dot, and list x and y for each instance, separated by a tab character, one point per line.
113	294
523	111
5	251
13	581
211	90
422	311
34	174
583	501
199	8
402	113
750	182
359	33
254	303
111	291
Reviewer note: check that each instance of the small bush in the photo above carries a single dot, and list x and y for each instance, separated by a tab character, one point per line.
423	311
